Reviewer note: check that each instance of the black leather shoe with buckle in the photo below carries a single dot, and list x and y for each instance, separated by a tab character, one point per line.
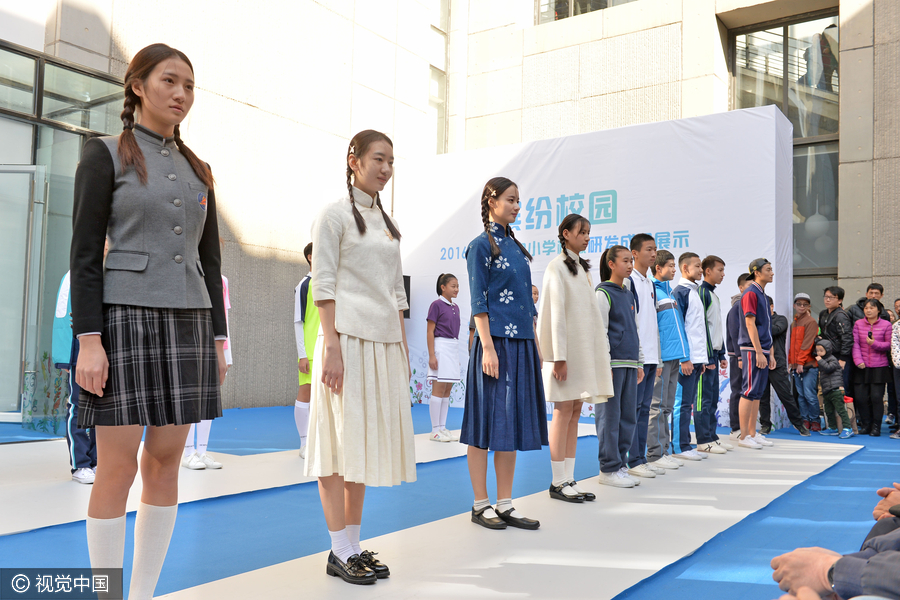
588	496
373	564
520	522
489	522
556	492
352	571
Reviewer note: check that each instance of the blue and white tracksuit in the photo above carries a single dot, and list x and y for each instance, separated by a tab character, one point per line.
688	392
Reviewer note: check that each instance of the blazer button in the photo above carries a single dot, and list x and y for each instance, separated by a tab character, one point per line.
172	177
177	202
179	258
177	230
164	152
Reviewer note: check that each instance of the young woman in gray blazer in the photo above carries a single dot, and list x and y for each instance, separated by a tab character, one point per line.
151	320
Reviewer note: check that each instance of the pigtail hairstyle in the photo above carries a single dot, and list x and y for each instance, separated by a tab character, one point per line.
359	145
609	255
129	152
573	222
493	189
443	280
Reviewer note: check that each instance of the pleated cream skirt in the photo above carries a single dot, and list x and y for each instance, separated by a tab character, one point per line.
365	433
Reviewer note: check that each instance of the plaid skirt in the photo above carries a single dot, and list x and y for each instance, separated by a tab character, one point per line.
163	369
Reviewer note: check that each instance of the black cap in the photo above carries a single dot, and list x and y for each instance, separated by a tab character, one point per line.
758	264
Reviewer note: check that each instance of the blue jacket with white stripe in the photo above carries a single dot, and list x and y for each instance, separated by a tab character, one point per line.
673	342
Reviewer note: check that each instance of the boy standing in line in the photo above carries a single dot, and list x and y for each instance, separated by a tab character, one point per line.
707	439
674	354
755	343
802	363
732	329
688	392
306	330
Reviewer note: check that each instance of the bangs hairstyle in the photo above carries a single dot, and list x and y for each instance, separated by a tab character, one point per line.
442	280
835	290
662	257
710	262
609	255
638	241
875	286
494	188
129	152
570	223
358	147
876	303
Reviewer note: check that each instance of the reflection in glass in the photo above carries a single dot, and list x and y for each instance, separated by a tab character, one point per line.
759	62
82	100
813	66
437	107
554	10
816	206
16	82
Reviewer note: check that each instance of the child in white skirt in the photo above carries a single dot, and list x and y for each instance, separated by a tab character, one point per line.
443	355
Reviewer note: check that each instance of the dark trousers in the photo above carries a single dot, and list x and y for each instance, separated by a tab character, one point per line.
685	398
637	455
780	380
614	420
734	378
705	413
82	447
892	393
834	409
869	404
847	372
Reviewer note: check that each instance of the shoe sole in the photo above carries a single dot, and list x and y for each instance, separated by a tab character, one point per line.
82	482
644	475
618	486
335	573
752	447
486	526
564	498
690	458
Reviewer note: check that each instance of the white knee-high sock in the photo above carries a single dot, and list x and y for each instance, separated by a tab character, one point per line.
152	531
340	544
558	472
203	428
189	442
434	410
353	536
301	419
445	406
106	542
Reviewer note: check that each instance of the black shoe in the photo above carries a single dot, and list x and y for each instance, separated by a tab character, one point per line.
875	431
802	429
352	571
489	522
373	564
765	429
556	492
589	497
520	522
862	430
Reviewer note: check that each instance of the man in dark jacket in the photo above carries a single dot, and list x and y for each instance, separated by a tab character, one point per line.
732	327
836	327
780	379
874	291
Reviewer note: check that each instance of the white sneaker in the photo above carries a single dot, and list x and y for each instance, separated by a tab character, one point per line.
656	469
439	436
624	471
749	442
762	441
711	448
689	455
735	434
454	437
725	445
642	471
677	462
84	475
303	451
617	479
209	462
193	462
664	462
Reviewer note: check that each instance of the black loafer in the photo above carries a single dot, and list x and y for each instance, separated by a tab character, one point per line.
489	522
520	522
352	571
373	564
556	492
587	495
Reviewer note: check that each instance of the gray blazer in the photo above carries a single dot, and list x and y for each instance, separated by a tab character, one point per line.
163	236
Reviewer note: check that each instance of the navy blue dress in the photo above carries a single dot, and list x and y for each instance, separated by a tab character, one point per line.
508	413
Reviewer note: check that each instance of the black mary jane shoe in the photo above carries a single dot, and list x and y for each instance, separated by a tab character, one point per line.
520	522
556	492
488	522
373	564
352	571
588	496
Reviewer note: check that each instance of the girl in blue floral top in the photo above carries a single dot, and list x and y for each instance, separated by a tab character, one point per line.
505	409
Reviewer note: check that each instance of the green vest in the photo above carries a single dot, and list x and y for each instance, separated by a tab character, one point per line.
310	324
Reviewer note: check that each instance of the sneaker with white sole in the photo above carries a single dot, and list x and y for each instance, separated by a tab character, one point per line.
209	462
454	437
84	475
439	436
666	462
656	469
193	462
761	440
735	434
689	455
725	444
711	448
749	442
617	479
624	471
642	471
677	462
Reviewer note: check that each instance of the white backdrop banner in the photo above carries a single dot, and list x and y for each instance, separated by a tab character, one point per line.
719	184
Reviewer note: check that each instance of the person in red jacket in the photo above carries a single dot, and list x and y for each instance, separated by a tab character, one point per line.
801	362
872	345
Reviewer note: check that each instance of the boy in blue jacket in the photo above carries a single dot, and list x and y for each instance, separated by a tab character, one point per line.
673	352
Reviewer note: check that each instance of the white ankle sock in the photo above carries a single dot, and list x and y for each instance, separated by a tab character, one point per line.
558	469
106	542
434	411
152	531
301	419
445	406
504	504
353	536
203	428
189	443
340	544
570	475
485	504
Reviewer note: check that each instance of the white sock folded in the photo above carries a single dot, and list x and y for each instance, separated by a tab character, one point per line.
301	419
106	542
340	544
203	428
445	406
489	512
558	470
152	532
353	536
504	504
434	411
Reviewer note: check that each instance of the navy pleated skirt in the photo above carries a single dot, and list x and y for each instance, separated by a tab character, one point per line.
508	413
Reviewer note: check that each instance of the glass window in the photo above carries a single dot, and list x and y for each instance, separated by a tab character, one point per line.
554	10
816	206
437	107
759	68
81	100
437	49
815	287
16	82
16	146
813	66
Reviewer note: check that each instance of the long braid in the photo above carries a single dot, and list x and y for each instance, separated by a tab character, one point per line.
509	232
357	216
201	169
128	150
486	219
570	262
573	222
387	220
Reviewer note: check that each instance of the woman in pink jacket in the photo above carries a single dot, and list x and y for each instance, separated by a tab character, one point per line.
871	354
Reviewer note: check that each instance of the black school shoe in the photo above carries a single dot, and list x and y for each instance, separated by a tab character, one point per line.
373	564
488	522
588	496
352	571
556	492
520	522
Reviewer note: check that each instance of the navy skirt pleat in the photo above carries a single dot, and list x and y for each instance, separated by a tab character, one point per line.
508	413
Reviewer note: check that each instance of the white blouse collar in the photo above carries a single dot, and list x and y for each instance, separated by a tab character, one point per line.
450	302
573	255
362	198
